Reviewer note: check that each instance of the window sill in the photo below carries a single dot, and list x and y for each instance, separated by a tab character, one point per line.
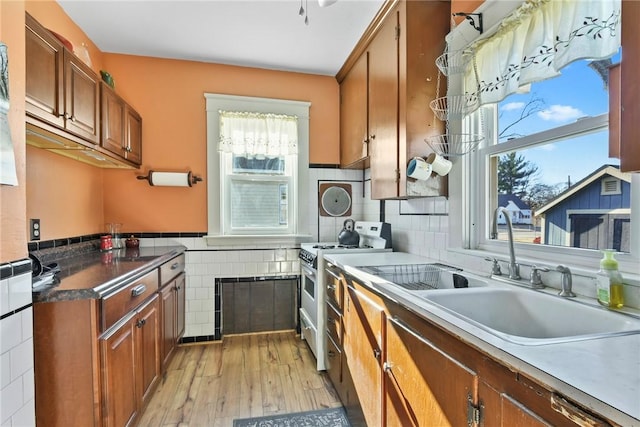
257	240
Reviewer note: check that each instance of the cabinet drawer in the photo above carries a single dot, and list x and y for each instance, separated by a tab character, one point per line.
334	287
334	364
334	325
125	299
171	268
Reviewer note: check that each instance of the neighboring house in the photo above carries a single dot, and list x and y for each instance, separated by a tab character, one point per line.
593	214
520	211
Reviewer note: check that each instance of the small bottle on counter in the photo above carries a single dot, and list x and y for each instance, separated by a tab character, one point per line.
609	281
106	244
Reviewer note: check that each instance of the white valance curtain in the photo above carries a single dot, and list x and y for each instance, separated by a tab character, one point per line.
258	134
537	40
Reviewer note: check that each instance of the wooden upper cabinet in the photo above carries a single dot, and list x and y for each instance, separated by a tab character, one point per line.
44	74
113	110
121	126
81	99
354	115
401	47
133	135
60	89
630	88
383	108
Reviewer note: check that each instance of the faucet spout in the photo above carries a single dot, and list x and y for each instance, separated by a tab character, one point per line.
514	268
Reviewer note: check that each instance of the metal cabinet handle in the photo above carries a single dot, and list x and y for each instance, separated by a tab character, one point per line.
138	290
141	322
376	353
331	353
334	275
177	264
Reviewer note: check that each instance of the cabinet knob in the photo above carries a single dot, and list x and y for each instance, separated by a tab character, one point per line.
140	323
376	353
331	353
372	137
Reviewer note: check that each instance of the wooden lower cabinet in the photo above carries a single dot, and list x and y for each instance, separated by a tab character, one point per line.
401	369
130	365
424	385
363	338
172	299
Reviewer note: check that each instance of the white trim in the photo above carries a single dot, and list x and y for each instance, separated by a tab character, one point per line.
216	102
567	230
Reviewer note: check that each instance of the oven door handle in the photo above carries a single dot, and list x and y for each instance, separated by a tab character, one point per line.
309	272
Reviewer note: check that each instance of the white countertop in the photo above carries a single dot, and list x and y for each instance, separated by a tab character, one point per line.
600	374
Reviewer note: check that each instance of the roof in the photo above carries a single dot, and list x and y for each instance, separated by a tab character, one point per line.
594	176
504	199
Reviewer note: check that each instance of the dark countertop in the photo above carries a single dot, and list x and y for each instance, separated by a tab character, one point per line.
95	274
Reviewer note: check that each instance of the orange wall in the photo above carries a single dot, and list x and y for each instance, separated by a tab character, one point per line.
13	240
65	194
169	95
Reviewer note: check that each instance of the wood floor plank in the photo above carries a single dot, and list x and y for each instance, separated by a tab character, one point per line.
243	376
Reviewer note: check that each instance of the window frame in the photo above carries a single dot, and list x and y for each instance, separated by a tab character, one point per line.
217	233
470	181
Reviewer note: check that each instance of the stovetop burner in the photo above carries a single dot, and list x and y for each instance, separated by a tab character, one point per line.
320	246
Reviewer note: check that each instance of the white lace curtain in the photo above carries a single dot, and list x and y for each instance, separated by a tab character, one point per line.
258	134
537	40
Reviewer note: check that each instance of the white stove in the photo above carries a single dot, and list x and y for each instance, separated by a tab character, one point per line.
374	237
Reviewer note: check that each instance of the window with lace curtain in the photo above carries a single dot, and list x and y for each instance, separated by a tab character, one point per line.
257	153
541	78
258	159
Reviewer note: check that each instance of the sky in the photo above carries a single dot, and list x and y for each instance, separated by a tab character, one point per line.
578	92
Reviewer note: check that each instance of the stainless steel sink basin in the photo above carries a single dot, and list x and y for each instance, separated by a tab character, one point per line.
417	277
529	317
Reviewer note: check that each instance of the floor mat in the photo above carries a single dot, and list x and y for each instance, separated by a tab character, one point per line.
331	417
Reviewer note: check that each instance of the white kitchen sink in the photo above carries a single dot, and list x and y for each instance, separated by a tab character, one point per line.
530	317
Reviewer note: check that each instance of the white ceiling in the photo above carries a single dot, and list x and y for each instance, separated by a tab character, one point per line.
256	33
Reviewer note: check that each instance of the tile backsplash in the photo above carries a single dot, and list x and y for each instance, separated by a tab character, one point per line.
17	397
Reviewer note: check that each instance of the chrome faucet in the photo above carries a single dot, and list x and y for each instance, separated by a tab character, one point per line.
565	290
514	268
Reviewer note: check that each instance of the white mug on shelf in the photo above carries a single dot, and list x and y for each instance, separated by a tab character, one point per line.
439	164
418	168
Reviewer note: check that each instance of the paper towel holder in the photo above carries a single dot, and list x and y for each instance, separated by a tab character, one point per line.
190	178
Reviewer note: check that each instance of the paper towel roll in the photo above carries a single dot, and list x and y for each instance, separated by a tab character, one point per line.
170	179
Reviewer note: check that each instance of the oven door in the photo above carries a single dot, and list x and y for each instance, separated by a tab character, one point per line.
309	294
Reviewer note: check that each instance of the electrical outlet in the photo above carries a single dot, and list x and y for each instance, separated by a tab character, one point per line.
35	230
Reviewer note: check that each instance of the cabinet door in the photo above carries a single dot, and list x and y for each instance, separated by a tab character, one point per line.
119	375
112	123
424	386
81	99
169	337
363	320
133	135
383	109
181	293
354	113
502	410
148	342
44	74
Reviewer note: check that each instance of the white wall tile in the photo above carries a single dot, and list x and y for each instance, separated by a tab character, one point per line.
11	400
4	296
19	291
10	332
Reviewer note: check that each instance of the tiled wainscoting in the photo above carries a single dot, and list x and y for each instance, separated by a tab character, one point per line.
17	407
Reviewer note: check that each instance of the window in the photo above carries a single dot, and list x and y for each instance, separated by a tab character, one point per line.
257	168
547	146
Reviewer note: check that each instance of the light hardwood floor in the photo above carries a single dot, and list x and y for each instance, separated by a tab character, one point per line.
243	376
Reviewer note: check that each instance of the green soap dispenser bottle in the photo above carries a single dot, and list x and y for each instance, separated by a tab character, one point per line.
609	281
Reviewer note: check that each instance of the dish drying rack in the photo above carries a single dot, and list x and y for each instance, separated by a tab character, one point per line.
413	277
